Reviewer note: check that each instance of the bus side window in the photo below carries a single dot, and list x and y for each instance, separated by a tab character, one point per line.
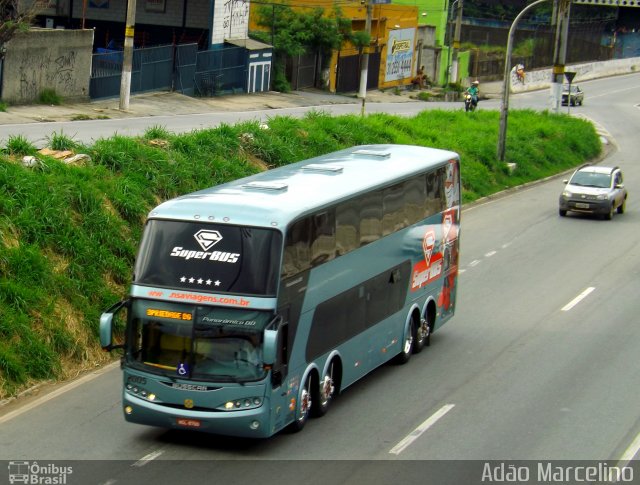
393	218
371	217
323	238
435	192
297	250
347	227
414	196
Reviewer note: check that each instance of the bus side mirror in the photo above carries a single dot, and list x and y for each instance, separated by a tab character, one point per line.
106	326
270	350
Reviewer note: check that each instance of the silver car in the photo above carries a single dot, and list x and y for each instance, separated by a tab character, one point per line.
572	95
594	190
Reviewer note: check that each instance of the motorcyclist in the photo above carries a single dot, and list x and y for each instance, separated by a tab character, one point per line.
473	91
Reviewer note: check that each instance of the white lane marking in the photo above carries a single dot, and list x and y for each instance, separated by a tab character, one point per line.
52	395
415	434
627	456
475	262
146	459
577	299
110	482
490	253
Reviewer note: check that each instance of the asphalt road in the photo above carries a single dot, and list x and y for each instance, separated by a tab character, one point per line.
540	362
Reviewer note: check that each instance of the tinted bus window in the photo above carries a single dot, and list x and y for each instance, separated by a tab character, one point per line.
393	216
414	197
323	237
370	217
297	250
435	201
347	227
209	257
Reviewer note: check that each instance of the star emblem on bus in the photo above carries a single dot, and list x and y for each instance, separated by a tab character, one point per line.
207	239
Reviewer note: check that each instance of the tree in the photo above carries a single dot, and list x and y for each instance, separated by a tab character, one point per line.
14	19
293	33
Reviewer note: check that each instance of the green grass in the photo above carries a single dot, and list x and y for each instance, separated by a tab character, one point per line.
3	107
60	141
18	145
49	96
69	234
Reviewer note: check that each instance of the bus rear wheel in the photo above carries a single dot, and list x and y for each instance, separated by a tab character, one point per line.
421	337
326	391
407	344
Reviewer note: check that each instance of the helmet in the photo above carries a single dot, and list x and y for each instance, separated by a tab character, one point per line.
475	82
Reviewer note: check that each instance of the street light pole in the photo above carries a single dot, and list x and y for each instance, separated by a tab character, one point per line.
506	82
562	9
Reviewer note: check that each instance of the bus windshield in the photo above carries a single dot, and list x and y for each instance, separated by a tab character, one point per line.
201	343
209	257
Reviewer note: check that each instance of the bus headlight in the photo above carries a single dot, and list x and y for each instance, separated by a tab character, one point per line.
240	404
143	393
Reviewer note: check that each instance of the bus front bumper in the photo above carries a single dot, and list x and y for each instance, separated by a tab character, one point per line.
250	423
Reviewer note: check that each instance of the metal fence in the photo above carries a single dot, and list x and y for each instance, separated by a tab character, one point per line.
180	67
221	71
151	70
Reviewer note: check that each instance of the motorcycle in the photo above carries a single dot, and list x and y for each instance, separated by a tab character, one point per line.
469	105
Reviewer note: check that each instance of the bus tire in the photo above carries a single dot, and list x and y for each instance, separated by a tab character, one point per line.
421	337
326	390
407	345
303	405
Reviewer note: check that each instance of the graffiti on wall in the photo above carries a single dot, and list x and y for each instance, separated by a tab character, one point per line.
41	71
236	13
400	49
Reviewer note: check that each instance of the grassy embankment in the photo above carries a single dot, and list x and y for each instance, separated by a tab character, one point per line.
69	234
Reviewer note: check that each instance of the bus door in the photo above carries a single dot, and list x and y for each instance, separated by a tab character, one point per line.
277	339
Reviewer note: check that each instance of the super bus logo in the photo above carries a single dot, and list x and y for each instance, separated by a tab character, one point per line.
430	268
206	239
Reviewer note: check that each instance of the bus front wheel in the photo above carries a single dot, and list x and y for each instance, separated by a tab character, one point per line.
303	406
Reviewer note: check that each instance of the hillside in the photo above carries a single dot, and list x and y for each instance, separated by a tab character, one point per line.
69	231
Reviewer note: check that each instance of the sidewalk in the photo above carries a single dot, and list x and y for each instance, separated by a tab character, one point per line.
163	103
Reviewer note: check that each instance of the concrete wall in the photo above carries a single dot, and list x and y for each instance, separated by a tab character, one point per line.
47	59
541	78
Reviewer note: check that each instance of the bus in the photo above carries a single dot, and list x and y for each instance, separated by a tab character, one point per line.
256	302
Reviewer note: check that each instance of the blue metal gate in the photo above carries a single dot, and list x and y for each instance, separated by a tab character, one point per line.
192	72
152	70
221	71
186	57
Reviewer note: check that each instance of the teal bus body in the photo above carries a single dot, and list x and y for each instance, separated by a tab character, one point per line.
254	303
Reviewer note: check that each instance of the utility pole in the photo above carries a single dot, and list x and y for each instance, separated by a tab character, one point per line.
456	42
506	82
127	60
561	9
364	68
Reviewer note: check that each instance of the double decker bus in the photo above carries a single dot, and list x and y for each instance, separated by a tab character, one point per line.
255	302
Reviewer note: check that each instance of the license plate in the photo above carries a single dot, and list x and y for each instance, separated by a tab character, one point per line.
582	205
189	423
